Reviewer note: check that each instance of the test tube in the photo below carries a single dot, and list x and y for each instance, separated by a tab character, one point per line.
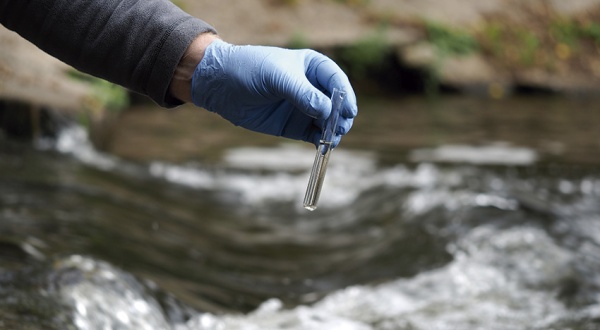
317	174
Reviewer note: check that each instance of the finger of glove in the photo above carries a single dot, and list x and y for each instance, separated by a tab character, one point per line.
329	73
297	125
336	140
314	136
344	125
294	86
330	76
310	101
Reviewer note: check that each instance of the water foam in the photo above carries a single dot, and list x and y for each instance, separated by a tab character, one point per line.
498	280
279	174
74	140
494	154
105	297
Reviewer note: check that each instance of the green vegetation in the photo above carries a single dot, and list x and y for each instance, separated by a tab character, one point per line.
592	31
447	42
366	54
544	43
298	41
297	2
530	44
179	3
573	32
492	35
105	95
112	97
354	2
287	2
451	42
512	45
565	31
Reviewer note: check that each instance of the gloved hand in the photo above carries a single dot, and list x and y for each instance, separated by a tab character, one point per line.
272	90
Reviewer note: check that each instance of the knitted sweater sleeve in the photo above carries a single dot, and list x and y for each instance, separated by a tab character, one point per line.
133	43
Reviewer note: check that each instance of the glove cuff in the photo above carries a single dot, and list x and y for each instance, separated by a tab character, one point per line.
208	77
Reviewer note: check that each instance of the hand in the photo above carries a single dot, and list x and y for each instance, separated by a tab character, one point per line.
272	90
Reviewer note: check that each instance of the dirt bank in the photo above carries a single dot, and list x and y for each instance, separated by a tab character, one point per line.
515	42
534	44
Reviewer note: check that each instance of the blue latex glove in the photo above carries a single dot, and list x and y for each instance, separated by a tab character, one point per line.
272	90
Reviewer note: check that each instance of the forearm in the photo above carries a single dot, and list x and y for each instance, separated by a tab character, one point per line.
181	84
134	43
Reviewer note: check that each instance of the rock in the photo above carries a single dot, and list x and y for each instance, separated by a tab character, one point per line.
27	74
420	55
572	7
471	73
31	76
467	69
565	82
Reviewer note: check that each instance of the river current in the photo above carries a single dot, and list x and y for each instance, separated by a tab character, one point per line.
424	222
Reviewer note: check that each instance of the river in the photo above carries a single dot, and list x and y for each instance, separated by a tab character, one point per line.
453	213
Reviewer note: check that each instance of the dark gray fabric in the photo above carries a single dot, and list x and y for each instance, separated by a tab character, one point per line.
134	43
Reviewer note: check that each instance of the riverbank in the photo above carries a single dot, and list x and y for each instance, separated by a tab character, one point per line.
495	47
492	48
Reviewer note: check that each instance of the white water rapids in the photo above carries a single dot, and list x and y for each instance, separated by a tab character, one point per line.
512	275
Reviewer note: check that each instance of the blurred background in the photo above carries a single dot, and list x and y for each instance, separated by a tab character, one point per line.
466	196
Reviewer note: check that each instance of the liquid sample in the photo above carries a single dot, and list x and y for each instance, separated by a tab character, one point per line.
317	174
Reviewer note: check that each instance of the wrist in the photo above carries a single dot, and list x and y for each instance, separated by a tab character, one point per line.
181	83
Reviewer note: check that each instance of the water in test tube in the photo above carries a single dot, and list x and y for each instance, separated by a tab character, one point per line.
317	174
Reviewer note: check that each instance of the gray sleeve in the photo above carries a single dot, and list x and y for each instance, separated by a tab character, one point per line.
133	43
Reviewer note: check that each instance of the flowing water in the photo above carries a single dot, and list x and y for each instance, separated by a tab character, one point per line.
458	214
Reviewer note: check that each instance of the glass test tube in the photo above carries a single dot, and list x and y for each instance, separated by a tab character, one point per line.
317	174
